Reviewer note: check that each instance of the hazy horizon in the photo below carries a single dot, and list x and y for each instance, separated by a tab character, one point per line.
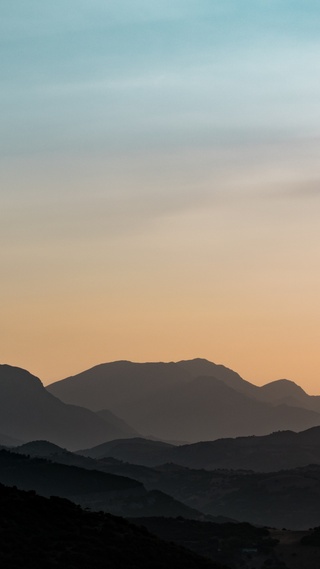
160	185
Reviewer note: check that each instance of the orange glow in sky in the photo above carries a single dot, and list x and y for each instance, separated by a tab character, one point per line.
160	186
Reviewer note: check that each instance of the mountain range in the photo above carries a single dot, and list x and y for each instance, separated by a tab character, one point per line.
284	498
190	400
277	451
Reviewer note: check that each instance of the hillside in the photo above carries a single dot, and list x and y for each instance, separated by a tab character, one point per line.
28	412
90	488
242	546
38	532
287	498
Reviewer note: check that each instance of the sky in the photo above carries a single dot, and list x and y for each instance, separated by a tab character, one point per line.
160	185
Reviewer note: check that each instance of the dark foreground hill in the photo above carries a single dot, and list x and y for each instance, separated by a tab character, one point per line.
226	543
28	412
242	546
188	400
36	532
98	490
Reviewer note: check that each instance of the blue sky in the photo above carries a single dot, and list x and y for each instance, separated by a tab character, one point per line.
82	74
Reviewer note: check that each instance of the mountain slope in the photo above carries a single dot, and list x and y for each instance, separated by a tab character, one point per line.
117	426
207	409
28	411
200	367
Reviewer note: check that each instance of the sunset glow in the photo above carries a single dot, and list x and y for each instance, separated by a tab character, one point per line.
160	185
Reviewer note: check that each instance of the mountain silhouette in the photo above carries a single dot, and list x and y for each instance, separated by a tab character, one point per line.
135	451
176	401
41	532
28	411
277	451
200	367
90	488
111	385
287	392
288	497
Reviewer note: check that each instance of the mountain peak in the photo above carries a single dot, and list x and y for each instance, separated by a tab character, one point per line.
17	381
40	448
16	374
283	388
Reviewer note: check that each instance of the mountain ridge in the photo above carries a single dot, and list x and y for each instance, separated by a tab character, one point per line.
188	400
276	451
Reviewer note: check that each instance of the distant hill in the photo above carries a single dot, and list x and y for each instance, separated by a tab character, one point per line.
286	498
135	451
41	449
189	400
279	450
38	532
284	391
28	411
90	488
